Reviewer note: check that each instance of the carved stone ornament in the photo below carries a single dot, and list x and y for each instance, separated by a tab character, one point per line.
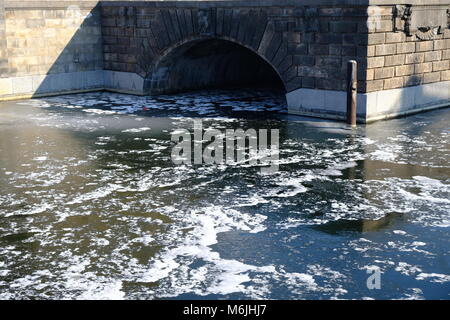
402	18
448	18
204	21
428	33
425	22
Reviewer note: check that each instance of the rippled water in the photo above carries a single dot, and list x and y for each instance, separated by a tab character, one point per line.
91	205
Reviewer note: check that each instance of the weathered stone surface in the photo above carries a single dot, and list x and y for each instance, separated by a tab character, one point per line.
385	49
3	50
375	62
441	65
393	83
432	77
395	60
415	58
423	68
48	41
433	56
383	73
405	70
407	47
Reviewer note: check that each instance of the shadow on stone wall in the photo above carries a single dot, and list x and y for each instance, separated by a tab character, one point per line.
79	65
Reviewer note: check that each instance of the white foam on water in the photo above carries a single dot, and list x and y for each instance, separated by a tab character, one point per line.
137	130
415	294
99	111
96	194
43	158
288	187
35	210
407	269
206	225
433	277
429	181
384	155
296	279
108	291
189	261
252	201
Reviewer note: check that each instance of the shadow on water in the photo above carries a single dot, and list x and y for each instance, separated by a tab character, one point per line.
361	225
369	169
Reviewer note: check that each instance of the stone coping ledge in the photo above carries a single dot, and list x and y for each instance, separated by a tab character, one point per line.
14	4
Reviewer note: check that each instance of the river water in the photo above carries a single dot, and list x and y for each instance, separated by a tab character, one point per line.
92	207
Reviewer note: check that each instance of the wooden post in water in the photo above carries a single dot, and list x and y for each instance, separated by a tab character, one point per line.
352	91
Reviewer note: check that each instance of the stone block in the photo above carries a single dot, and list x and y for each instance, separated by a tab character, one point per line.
318	49
329	62
423	67
395	37
439	45
432	77
385	49
297	49
423	46
395	60
375	62
370	74
355	39
433	56
303	60
445	75
329	38
376	38
348	51
446	54
393	83
35	23
415	58
343	26
383	73
406	47
375	85
335	49
405	70
441	65
383	25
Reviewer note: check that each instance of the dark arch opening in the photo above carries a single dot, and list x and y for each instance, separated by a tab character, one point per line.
212	64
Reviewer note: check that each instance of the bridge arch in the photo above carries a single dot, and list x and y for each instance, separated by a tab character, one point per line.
211	62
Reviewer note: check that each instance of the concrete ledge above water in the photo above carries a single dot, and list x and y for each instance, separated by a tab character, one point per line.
53	84
371	106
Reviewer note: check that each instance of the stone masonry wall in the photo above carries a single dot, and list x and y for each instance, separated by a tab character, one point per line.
3	50
308	46
396	60
41	42
52	41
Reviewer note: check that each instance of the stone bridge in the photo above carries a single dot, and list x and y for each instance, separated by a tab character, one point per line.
299	46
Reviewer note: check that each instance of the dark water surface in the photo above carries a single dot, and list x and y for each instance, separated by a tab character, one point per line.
91	205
